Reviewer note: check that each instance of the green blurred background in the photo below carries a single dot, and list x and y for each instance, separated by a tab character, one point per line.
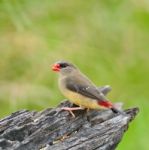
107	39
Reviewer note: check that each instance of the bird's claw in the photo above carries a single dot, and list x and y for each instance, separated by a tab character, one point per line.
70	109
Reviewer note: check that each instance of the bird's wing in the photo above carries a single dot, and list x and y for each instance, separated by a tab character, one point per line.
84	89
105	89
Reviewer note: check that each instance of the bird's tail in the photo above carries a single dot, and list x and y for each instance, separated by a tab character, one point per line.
116	108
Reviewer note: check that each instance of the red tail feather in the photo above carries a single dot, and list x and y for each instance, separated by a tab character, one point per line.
106	104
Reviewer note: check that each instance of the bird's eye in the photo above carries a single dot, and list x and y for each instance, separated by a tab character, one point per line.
63	65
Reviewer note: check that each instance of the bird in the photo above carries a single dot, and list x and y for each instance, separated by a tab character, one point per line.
80	90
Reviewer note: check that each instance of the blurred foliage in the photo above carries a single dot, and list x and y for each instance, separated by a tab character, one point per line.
107	39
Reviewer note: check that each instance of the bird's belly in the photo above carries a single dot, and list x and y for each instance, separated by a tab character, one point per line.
81	100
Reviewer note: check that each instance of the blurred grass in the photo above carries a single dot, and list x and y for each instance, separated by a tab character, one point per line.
107	39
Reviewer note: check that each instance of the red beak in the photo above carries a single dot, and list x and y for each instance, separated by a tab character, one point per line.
56	67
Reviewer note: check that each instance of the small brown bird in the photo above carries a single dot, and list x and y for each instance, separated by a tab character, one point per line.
80	90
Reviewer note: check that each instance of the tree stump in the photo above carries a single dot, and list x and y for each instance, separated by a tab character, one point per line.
55	129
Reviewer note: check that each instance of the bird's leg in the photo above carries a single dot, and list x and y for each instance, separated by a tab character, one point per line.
87	110
70	109
87	115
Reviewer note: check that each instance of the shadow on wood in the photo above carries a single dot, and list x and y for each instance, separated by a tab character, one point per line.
54	129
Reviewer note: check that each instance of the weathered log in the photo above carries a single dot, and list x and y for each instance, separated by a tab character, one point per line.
55	129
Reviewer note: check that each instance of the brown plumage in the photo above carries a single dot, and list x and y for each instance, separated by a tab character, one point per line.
79	89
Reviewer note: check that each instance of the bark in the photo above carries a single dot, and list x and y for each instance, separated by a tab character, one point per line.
55	129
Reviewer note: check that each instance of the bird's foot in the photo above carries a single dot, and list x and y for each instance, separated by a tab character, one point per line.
70	109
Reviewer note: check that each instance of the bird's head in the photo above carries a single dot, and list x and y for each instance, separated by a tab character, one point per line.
63	67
